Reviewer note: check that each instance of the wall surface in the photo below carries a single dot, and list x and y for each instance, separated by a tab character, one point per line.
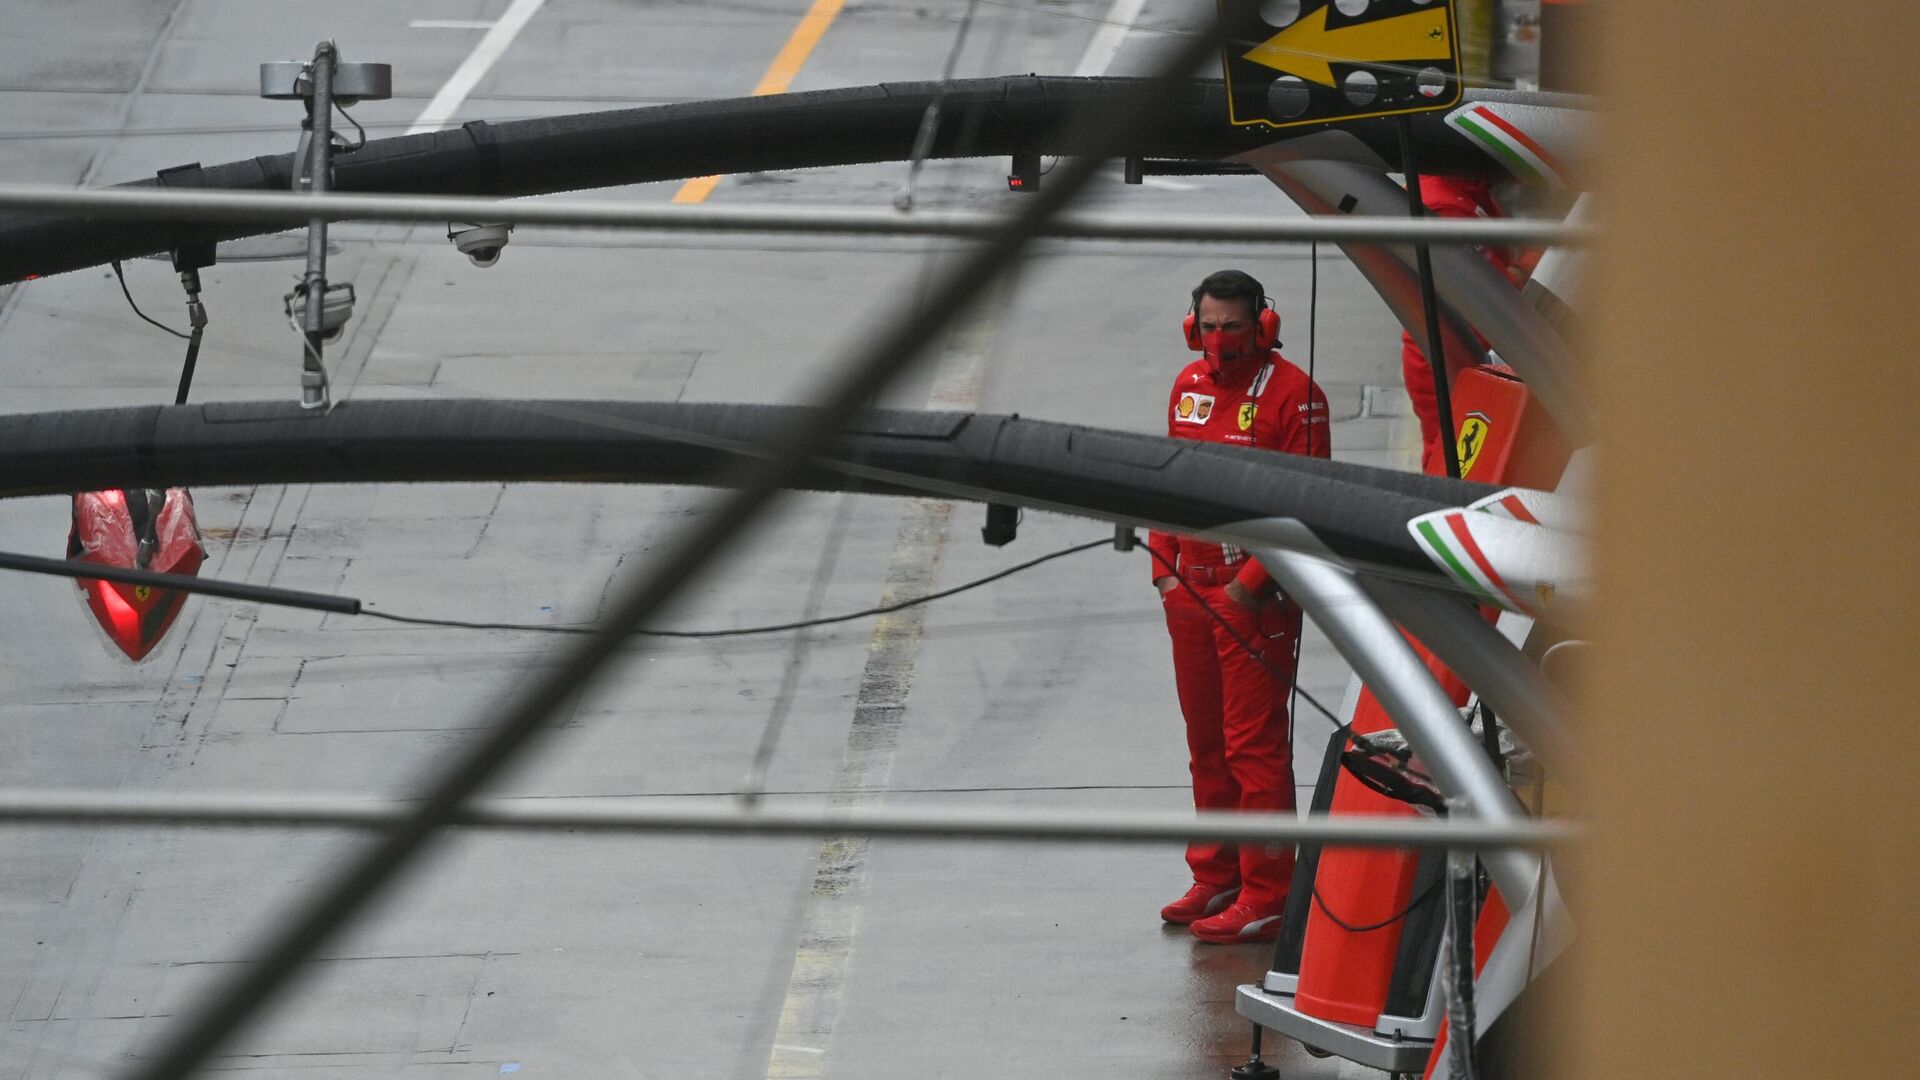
1746	906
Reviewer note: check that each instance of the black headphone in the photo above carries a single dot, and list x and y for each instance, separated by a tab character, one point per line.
1266	321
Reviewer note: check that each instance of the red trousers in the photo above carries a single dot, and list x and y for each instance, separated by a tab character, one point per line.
1239	736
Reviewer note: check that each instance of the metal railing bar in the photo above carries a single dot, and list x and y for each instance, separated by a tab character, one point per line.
287	208
629	814
186	583
897	342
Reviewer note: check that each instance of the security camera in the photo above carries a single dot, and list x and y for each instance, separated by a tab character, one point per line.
480	243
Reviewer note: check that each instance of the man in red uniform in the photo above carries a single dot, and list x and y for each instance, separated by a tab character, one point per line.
1235	701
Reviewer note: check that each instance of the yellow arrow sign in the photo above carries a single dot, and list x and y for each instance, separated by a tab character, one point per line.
1307	47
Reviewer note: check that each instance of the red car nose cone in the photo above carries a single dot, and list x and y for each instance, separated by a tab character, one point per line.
146	530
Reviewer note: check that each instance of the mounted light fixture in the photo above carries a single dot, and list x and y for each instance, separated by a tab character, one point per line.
335	310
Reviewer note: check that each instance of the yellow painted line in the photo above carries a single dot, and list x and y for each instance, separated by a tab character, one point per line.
786	64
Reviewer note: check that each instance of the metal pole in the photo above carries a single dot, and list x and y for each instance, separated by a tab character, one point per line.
1333	598
1463	894
1429	302
728	817
230	590
314	177
197	321
204	205
891	350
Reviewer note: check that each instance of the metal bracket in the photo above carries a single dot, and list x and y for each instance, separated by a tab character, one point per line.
322	83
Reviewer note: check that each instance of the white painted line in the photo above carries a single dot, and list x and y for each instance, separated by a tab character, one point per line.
1114	27
475	66
450	24
835	906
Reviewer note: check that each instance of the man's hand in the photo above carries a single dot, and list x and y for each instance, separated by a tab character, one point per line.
1166	583
1238	593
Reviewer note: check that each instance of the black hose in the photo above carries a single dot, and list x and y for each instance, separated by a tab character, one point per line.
1360	513
988	117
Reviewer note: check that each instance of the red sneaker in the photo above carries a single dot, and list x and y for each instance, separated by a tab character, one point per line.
1238	924
1201	901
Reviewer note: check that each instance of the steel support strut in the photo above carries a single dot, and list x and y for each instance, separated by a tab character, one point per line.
1332	597
900	341
1483	657
1429	304
316	173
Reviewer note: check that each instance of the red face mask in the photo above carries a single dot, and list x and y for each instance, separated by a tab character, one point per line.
1224	345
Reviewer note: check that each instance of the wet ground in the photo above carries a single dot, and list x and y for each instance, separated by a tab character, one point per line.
564	956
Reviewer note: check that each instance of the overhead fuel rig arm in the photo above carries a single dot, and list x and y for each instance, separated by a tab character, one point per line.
1193	488
980	118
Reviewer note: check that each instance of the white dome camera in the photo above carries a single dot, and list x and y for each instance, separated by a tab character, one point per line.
479	243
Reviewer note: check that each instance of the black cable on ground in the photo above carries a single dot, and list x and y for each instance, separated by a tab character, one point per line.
538	628
128	293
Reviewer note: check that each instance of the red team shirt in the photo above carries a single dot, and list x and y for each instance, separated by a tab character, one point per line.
1268	403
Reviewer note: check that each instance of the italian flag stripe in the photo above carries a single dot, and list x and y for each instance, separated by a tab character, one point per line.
1523	139
1518	164
1458	523
1439	547
1519	510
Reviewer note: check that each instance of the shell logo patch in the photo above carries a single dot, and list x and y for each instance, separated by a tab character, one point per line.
1193	408
1473	438
1247	412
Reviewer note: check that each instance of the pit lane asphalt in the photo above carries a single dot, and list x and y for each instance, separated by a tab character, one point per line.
632	956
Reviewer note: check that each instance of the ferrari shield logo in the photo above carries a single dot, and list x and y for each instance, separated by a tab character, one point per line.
1247	411
1473	439
141	592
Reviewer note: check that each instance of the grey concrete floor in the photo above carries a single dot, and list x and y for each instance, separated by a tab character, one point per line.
565	956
